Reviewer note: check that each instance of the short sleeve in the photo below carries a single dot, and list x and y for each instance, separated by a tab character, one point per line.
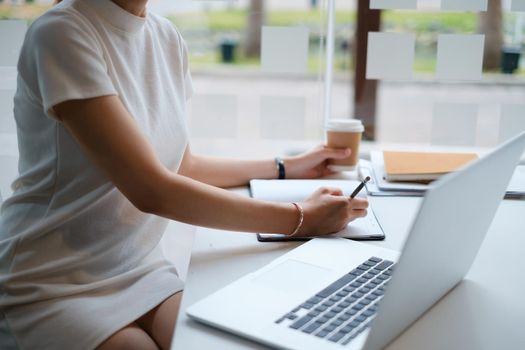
64	62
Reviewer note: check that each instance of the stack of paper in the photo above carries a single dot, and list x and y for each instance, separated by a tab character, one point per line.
379	186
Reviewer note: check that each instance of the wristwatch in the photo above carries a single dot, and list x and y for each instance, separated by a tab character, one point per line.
279	163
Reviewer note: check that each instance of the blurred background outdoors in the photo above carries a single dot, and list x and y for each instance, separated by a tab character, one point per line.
238	98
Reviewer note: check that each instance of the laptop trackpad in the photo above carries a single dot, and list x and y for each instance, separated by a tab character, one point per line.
291	276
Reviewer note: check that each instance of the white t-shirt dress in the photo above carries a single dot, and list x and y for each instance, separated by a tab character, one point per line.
77	260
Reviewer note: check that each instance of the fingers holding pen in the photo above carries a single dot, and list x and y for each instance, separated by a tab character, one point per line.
357	208
353	204
328	210
352	208
358	203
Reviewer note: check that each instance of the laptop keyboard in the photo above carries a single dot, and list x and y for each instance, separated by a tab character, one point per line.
346	307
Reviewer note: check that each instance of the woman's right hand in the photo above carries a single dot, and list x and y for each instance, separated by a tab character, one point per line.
328	211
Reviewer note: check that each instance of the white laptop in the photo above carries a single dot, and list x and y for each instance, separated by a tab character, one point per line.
329	293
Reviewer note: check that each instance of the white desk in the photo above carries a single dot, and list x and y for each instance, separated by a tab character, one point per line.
485	311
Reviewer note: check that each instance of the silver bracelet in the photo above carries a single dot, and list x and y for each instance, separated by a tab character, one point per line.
301	219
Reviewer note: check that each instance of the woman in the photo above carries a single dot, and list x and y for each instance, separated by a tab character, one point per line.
104	160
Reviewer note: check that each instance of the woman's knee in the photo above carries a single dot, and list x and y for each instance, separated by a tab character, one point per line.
160	322
130	337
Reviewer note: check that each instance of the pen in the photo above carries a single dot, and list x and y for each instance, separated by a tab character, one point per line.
360	187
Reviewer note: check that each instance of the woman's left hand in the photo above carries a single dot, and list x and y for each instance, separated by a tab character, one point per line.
314	163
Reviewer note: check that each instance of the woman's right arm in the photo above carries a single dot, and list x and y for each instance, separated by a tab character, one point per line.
113	141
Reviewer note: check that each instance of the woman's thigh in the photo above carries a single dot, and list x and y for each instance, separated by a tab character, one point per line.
130	337
160	322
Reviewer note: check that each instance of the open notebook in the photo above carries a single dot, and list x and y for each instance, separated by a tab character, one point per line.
367	228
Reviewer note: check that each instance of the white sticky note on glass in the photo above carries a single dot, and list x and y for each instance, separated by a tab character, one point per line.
284	49
393	4
390	56
464	5
283	117
7	119
460	57
214	116
454	124
518	5
429	5
12	33
512	121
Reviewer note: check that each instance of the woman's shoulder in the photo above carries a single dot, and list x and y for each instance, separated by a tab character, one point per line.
60	32
164	27
58	23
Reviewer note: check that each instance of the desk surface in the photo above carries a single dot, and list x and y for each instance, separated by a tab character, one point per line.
485	311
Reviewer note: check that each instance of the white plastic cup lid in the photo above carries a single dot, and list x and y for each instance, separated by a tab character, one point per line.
348	125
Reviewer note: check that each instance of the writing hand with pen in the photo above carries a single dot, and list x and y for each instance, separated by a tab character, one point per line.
328	210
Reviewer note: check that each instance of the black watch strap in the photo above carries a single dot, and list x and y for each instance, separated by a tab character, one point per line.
279	163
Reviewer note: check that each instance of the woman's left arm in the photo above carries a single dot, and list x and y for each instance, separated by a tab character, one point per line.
224	172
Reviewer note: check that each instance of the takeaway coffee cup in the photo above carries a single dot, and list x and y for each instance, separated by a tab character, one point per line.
344	133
